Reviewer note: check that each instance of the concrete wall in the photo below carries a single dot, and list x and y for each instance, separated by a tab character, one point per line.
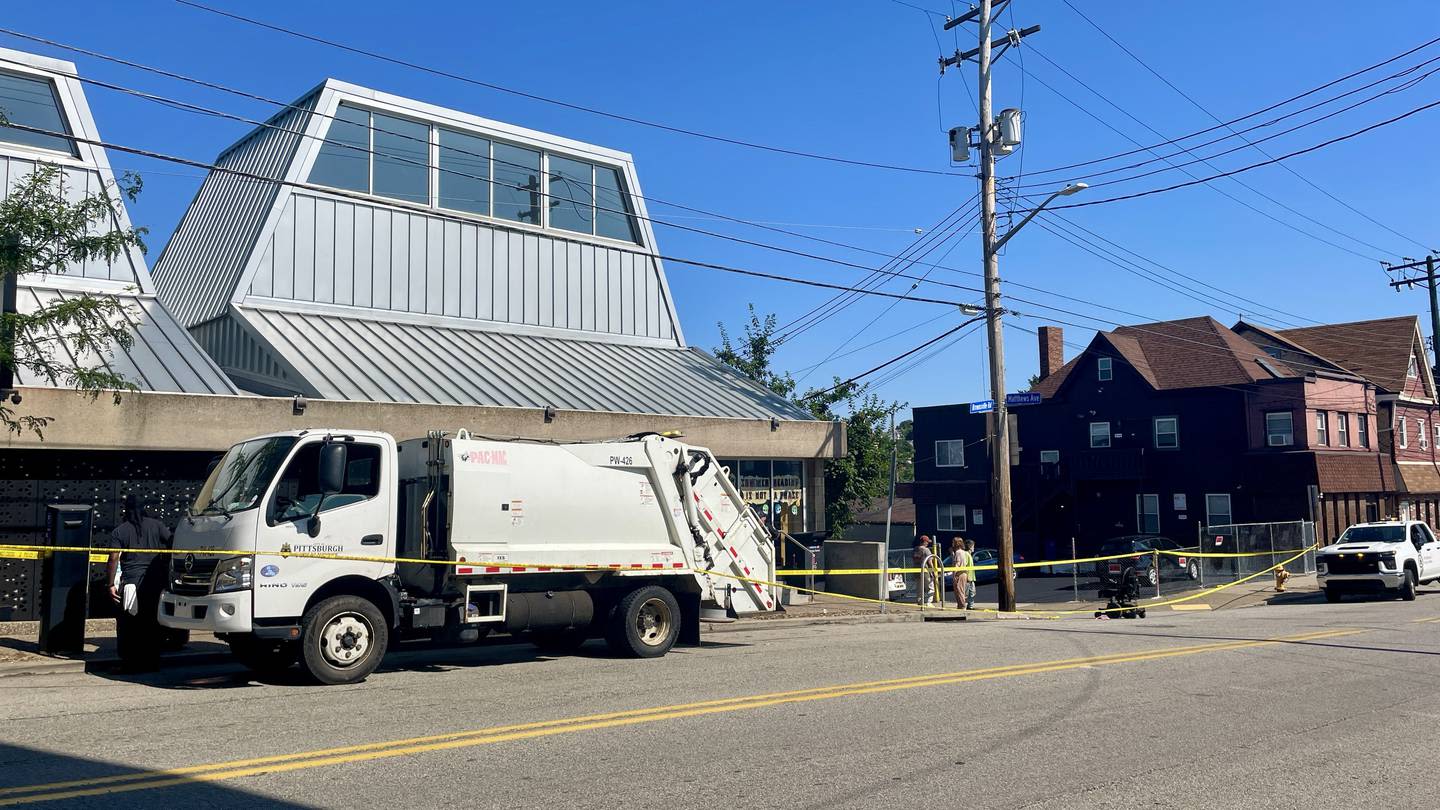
855	554
159	421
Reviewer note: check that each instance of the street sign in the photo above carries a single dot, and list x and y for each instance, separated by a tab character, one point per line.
1027	398
983	406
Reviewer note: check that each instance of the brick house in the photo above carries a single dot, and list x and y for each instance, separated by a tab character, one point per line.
1158	428
1390	354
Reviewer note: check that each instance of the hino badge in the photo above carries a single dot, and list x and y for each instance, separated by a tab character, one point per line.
295	538
1395	555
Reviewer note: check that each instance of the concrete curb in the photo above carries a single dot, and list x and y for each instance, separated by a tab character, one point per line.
743	626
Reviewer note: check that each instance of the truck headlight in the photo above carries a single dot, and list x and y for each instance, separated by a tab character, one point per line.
1321	567
1387	559
233	574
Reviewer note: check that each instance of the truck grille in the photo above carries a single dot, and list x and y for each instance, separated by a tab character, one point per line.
194	582
1352	563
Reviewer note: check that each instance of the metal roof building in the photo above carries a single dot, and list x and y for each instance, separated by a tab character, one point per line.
44	93
366	247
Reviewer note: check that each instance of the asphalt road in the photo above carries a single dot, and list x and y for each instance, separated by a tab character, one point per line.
1295	705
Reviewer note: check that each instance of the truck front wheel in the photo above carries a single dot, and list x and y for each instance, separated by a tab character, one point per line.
1407	588
645	623
343	639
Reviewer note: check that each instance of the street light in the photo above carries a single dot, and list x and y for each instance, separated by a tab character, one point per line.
1000	434
1064	192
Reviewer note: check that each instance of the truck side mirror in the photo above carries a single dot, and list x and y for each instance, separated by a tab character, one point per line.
312	525
332	468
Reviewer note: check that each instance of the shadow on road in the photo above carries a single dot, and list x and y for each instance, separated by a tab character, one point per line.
45	778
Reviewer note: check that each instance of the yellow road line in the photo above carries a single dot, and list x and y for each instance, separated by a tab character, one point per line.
150	780
1431	619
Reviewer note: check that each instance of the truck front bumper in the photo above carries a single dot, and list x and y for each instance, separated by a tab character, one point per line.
217	613
1363	582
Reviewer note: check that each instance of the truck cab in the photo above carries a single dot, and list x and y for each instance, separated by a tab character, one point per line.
1390	555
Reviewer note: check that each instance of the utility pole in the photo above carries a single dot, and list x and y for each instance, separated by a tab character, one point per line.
890	508
10	270
1430	280
988	138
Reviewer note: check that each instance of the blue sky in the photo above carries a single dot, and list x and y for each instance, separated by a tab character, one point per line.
858	79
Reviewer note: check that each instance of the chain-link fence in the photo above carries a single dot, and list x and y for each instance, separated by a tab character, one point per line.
1264	544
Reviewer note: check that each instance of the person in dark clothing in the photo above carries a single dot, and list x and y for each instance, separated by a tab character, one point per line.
142	578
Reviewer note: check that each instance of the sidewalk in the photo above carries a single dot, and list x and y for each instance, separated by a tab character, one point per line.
20	650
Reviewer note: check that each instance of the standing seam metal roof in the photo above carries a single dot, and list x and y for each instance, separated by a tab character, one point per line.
162	357
365	359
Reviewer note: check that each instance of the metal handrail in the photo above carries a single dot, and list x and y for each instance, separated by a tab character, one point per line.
812	560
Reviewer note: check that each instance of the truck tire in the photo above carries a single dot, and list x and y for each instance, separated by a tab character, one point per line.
1193	570
1407	588
343	639
645	623
264	656
559	642
1332	593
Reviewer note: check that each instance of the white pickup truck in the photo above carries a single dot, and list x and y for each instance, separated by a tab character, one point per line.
1390	555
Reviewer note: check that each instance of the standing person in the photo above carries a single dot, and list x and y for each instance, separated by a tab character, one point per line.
921	557
142	578
970	587
963	578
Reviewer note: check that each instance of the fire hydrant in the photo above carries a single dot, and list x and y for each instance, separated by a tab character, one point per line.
1280	576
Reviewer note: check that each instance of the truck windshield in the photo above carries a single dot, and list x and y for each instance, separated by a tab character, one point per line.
1373	534
240	479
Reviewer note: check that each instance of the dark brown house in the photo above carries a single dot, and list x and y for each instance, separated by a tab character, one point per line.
1160	428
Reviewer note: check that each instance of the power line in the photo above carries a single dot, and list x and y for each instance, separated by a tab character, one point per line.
1253	166
1248	187
629	119
1262	111
897	358
1165	158
1197	105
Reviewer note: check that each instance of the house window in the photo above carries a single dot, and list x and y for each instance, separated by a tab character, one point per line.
517	183
949	517
1322	428
1422	435
1279	429
464	172
1104	370
1167	432
1099	434
32	102
1217	510
1437	436
1053	456
1362	429
1402	429
1147	514
1342	429
950	453
1414	369
374	153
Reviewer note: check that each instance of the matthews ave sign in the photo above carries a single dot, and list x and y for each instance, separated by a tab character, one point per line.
1013	400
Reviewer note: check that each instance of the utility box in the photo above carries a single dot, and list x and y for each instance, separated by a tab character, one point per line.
64	579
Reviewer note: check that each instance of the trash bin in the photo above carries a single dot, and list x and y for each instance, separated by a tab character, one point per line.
64	579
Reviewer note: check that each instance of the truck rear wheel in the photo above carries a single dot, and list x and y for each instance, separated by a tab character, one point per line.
1332	593
343	639
645	623
264	656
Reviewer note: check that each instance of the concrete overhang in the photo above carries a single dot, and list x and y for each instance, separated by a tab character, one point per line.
165	421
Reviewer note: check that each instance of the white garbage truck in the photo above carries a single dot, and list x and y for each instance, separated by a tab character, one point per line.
321	546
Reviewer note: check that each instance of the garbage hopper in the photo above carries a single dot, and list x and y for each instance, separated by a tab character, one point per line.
64	579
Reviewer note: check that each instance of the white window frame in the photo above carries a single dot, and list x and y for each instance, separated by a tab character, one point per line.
1413	370
1175	432
1342	429
1053	456
1362	429
1437	435
1095	446
1140	513
1270	436
954	510
951	445
1104	369
1402	426
1322	428
1423	436
1210	513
